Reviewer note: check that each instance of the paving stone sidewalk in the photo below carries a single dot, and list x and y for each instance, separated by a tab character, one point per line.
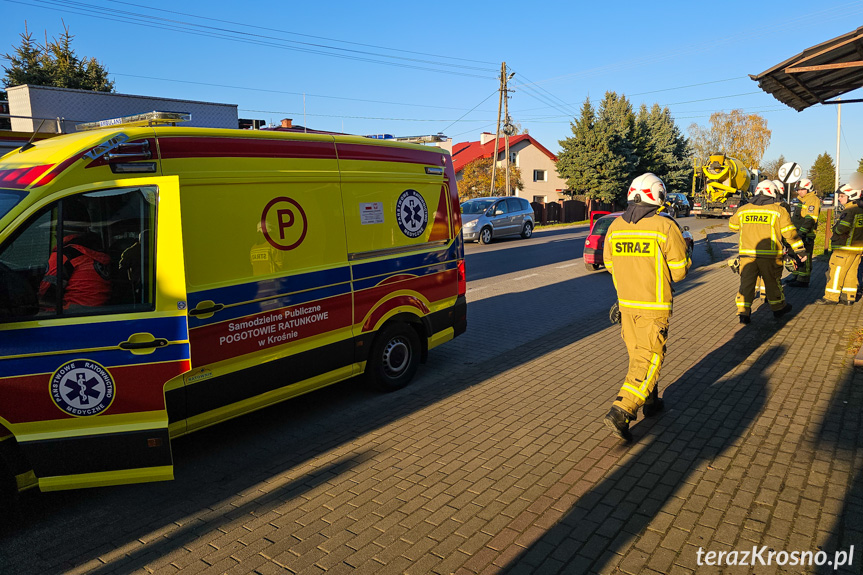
505	466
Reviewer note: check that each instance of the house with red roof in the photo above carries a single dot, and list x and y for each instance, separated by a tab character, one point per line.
536	163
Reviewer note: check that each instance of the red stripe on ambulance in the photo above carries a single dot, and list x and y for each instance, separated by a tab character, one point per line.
190	147
433	287
228	339
137	388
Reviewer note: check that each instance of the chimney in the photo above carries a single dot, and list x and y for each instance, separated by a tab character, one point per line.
287	123
485	138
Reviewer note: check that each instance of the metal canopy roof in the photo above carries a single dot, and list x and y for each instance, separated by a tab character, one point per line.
818	73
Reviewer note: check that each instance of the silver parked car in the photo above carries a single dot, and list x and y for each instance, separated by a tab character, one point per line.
484	219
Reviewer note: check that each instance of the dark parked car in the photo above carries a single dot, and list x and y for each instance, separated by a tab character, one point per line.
680	204
596	239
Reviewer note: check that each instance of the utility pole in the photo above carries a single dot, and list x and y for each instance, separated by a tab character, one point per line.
838	132
497	128
503	101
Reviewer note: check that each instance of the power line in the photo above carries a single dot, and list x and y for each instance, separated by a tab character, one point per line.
251	39
282	92
469	111
257	27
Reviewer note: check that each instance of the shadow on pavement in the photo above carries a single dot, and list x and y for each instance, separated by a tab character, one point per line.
70	529
840	434
707	413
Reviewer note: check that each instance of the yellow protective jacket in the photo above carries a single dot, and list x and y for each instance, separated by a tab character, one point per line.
805	216
762	229
848	229
644	258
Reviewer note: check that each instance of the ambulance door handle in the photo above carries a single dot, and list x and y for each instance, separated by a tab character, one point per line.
143	343
206	309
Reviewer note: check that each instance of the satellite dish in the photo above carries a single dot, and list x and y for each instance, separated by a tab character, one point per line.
790	172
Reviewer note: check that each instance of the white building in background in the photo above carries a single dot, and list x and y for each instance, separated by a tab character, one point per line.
60	109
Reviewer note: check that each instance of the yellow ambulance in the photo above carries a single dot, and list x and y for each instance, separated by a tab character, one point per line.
156	279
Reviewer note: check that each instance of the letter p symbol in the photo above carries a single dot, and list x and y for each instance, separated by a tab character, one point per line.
284	224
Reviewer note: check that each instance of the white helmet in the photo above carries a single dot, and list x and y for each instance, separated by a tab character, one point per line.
852	192
767	188
804	184
647	188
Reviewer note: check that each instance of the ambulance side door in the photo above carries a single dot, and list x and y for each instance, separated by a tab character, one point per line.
91	330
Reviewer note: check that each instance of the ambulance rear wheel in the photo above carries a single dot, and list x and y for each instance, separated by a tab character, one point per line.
395	357
485	236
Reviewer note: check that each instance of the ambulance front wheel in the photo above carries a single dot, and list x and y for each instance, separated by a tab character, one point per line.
485	236
395	357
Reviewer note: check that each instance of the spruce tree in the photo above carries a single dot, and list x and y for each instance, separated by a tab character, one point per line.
579	156
823	174
54	65
615	130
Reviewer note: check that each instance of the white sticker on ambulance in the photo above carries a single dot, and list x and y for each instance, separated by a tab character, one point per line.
371	213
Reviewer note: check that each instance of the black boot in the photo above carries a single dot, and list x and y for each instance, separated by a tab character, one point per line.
783	311
744	319
617	421
654	404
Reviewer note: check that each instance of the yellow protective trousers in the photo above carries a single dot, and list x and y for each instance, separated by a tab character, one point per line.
842	276
645	339
803	274
770	270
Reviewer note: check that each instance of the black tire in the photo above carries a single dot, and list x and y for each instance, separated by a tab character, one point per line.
527	230
592	267
394	358
485	236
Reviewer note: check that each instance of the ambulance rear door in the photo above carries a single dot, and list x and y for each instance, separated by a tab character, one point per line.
92	329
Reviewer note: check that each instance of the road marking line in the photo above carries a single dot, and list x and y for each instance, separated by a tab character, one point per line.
524	277
566	266
476	288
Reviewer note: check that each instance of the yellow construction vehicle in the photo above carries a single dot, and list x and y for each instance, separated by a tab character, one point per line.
726	184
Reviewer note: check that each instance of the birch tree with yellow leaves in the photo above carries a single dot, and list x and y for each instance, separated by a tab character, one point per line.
742	136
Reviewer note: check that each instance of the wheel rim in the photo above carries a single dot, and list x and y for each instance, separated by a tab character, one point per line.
528	230
486	235
397	357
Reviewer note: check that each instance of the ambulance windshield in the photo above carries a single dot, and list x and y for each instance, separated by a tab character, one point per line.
9	199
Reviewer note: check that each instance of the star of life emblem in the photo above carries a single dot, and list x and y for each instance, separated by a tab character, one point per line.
412	213
82	387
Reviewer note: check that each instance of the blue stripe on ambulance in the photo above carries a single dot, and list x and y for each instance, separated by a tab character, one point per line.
404	263
49	339
262	296
107	358
256	290
273	303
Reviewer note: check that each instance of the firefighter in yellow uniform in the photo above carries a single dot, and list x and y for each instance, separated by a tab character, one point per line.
644	252
847	243
762	223
760	290
805	217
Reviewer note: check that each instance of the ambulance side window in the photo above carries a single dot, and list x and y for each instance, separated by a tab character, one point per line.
104	265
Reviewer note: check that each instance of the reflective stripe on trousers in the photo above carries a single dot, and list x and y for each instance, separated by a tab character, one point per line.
750	270
645	339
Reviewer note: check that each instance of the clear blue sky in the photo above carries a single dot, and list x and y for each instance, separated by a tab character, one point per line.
411	68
